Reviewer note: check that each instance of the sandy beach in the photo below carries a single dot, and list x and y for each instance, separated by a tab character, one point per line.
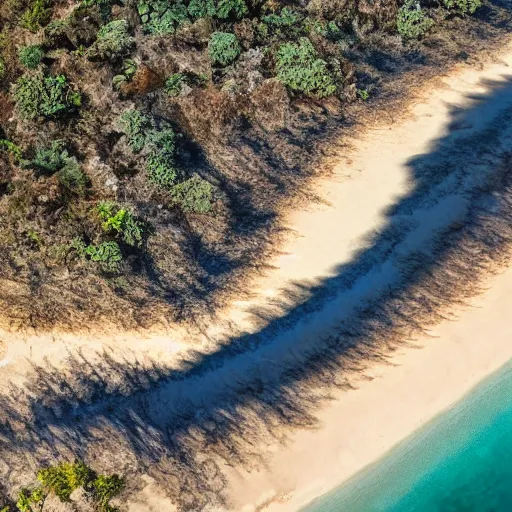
361	425
419	381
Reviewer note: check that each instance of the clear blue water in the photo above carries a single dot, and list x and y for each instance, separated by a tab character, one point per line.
459	462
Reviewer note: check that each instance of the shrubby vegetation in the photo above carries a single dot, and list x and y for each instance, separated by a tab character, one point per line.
223	48
152	141
65	478
193	195
299	67
113	41
411	21
463	6
31	56
38	95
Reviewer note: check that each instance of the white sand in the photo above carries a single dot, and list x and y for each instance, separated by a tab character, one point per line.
360	426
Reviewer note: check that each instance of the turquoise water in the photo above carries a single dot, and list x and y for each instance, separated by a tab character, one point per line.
459	462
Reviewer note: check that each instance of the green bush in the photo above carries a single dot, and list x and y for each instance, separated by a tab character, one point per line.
37	14
286	18
223	48
105	488
3	70
72	178
49	159
113	41
107	254
160	163
135	126
158	143
129	70
10	147
27	498
463	6
31	56
63	479
202	9
193	195
411	21
161	170
235	9
160	17
174	83
121	222
300	69
37	95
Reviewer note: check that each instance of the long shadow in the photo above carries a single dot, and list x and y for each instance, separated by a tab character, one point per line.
181	425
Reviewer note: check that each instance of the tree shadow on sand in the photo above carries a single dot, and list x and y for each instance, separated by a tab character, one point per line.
181	425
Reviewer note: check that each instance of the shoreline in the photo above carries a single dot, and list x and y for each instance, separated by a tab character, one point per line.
423	381
410	464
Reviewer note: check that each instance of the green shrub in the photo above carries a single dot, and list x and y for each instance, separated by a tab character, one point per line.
160	17
129	70
158	143
202	9
10	147
160	163
411	21
37	14
300	69
3	70
113	41
72	178
161	170
27	498
235	9
463	6
31	56
193	195
174	83
105	488
48	159
37	95
135	126
107	254
63	479
223	48
121	222
286	18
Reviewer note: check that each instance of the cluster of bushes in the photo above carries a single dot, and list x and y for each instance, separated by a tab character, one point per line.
64	479
156	142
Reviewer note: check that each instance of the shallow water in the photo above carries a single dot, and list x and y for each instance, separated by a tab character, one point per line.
460	462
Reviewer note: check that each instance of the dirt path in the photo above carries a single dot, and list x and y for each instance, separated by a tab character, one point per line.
402	187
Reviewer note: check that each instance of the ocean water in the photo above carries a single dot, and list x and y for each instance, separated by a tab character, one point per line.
460	462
